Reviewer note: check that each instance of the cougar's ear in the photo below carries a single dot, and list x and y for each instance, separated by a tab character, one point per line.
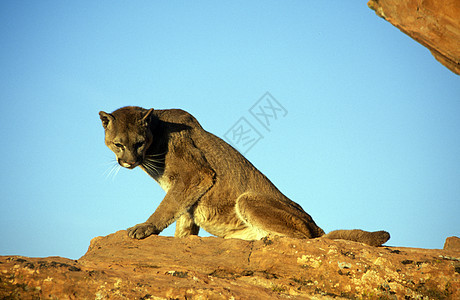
106	119
147	117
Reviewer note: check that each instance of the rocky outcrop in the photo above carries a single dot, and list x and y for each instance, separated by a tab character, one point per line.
452	243
434	24
117	267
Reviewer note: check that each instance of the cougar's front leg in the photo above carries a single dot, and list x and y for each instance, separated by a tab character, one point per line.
185	226
186	189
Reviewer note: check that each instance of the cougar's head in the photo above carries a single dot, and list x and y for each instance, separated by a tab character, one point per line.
128	134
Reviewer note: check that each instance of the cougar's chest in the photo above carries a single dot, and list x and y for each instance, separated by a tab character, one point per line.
164	182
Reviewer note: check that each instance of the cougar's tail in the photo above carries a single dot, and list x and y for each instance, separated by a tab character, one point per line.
376	238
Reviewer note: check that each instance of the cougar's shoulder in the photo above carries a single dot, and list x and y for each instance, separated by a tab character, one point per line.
176	116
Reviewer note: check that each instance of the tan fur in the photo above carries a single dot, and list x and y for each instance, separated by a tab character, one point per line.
208	183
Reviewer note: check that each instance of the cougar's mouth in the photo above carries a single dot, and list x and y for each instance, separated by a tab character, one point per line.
129	165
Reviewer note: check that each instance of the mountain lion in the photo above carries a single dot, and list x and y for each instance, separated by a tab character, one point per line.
208	183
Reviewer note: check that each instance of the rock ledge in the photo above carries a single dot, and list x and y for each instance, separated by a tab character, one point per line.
117	267
434	24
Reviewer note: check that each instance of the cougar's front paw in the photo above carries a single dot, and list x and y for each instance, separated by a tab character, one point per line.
141	231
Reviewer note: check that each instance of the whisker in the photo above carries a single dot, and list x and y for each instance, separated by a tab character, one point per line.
149	165
112	171
116	172
152	167
156	155
111	161
157	161
154	163
109	170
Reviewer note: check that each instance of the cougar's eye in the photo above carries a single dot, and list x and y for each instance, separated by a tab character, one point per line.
139	144
118	145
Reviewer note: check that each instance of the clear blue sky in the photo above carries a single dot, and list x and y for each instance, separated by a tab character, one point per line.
371	138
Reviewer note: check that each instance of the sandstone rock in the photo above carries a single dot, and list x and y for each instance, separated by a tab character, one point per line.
452	243
434	24
117	267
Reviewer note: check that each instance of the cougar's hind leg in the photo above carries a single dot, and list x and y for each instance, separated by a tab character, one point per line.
185	226
273	216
